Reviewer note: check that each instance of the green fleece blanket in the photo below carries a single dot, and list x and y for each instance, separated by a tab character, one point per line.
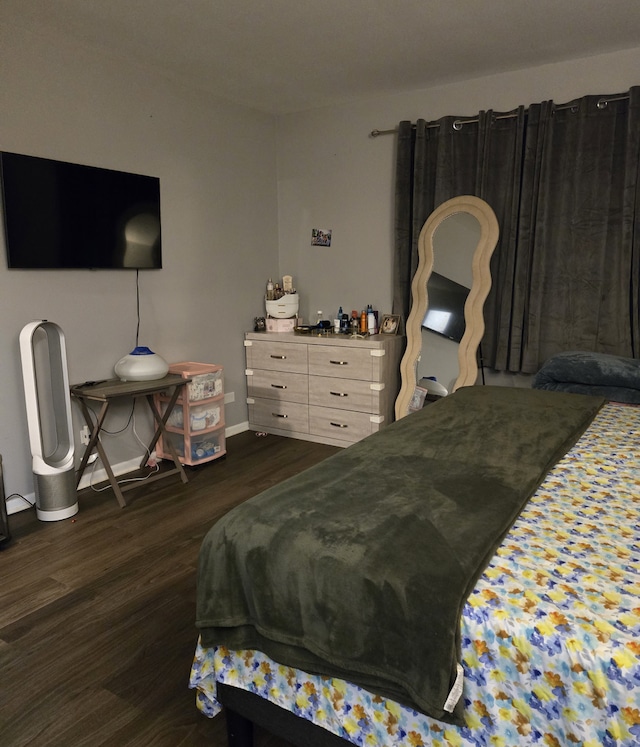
359	567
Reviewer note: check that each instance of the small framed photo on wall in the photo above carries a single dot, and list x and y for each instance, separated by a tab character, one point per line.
390	324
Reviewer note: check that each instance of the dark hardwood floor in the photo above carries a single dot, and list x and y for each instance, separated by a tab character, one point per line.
97	613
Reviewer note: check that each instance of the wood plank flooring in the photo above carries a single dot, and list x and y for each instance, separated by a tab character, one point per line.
97	613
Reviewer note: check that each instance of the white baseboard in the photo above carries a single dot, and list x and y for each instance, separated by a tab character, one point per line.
233	430
93	477
18	503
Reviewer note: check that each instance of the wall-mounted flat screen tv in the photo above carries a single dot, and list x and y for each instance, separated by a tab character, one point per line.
60	215
445	311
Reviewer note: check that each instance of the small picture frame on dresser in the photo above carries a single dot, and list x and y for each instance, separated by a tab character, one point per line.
390	324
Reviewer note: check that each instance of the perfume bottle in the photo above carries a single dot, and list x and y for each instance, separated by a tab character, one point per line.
363	323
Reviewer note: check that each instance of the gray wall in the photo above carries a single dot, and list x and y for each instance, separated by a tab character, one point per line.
217	167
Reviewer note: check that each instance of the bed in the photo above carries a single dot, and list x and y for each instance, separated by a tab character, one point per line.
544	648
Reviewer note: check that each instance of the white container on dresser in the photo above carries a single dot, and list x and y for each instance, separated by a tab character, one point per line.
333	389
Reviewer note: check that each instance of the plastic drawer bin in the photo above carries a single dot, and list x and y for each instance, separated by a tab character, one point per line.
201	417
204	417
206	379
202	448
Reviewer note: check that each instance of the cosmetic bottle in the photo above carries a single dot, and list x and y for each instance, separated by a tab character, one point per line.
371	321
354	324
337	321
363	323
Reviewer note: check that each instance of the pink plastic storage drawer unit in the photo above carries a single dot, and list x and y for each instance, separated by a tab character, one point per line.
196	424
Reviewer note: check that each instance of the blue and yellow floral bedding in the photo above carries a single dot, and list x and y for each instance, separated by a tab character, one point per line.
550	634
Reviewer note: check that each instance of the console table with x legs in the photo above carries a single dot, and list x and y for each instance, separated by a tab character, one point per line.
104	393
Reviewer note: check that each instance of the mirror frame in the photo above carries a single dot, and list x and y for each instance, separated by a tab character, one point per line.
473	308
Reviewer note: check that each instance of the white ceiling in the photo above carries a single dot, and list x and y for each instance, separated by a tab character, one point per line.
281	56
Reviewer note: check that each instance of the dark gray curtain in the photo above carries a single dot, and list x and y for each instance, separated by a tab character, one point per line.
444	159
583	178
564	184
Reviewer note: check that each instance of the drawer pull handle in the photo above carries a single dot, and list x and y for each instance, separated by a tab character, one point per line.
339	425
279	415
340	394
279	357
339	363
279	386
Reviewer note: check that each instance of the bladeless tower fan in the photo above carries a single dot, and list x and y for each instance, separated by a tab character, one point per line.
46	391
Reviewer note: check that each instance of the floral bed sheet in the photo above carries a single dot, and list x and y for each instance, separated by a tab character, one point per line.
550	634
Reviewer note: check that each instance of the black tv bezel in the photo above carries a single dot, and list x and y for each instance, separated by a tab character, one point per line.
139	190
456	290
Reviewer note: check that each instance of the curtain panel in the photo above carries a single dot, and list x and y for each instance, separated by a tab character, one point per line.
563	181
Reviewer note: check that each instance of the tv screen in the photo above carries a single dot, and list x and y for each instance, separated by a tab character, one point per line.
60	215
445	310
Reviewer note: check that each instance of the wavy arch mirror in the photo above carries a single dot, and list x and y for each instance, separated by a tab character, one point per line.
480	218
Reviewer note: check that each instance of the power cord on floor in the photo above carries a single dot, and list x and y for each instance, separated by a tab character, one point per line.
155	467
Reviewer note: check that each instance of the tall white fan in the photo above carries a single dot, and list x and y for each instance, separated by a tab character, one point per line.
46	391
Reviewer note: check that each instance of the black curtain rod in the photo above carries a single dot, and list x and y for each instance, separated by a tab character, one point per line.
458	123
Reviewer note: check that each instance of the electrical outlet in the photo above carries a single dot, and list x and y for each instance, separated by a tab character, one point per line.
229	397
85	435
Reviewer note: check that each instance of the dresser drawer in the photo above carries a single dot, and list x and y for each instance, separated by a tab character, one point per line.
286	416
342	424
345	394
344	362
281	385
277	356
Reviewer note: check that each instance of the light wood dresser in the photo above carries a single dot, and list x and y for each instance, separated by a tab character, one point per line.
332	389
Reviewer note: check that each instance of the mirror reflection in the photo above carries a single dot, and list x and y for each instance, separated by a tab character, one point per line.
443	326
446	321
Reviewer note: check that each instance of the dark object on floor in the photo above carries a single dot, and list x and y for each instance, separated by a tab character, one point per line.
240	705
